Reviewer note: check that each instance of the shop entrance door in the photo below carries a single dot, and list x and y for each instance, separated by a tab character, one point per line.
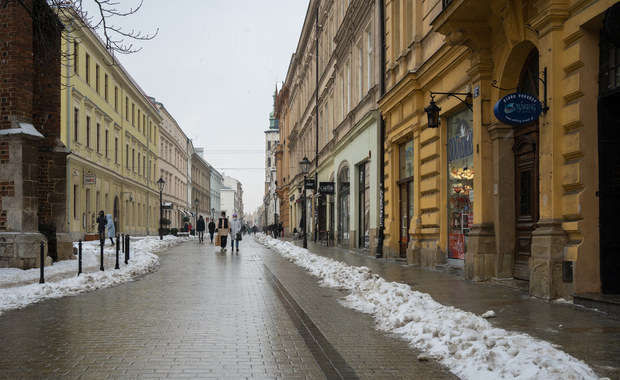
406	213
526	195
609	191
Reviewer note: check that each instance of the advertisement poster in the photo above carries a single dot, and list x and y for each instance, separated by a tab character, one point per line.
457	246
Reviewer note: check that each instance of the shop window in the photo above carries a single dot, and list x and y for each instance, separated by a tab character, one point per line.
460	182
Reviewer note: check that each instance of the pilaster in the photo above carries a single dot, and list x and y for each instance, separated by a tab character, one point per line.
548	242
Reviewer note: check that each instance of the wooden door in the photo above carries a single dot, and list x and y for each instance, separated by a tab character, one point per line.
526	196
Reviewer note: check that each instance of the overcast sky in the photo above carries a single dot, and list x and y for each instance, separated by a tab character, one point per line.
214	65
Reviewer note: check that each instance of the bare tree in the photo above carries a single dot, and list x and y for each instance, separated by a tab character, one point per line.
102	18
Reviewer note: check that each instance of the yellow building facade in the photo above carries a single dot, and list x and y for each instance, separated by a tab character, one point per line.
112	131
518	204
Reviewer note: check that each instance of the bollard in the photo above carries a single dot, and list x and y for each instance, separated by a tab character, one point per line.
79	257
123	245
118	246
42	279
127	252
101	267
125	249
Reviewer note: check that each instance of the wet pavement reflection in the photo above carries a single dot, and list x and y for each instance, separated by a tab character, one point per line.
205	314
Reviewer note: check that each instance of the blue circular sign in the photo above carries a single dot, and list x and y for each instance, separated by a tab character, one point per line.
517	109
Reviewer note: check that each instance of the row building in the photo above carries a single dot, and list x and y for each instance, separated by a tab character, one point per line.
472	136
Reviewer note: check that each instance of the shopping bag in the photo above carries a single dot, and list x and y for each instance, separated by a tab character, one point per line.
218	239
238	236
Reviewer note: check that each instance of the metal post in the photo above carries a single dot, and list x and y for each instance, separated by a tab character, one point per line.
102	243
123	245
79	257
303	214
127	250
118	246
161	216
42	279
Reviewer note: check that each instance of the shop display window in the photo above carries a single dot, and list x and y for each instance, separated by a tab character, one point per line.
460	182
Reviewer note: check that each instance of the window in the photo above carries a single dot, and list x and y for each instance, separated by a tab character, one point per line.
360	72
343	207
97	78
107	135
105	87
133	160
75	57
116	150
364	205
460	182
126	108
133	114
139	117
369	63
87	69
88	131
76	118
127	155
98	138
115	98
138	163
268	145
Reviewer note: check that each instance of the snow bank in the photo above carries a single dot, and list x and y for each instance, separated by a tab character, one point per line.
62	280
465	343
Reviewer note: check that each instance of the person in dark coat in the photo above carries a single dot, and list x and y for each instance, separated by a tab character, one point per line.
102	221
223	228
211	229
200	228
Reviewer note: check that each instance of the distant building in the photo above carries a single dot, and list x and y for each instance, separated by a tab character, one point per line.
232	196
174	165
270	202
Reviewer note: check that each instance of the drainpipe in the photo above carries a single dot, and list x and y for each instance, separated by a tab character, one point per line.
379	253
316	113
68	161
148	176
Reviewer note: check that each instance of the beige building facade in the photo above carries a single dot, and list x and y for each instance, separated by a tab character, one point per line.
524	204
112	130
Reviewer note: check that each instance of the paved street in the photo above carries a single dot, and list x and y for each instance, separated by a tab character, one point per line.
206	314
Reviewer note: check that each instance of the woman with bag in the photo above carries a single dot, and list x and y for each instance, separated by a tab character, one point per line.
235	231
223	228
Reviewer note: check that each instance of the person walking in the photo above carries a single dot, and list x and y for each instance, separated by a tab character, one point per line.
111	228
235	232
223	228
211	229
102	221
200	228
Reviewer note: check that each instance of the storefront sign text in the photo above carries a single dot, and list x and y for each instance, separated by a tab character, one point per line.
517	109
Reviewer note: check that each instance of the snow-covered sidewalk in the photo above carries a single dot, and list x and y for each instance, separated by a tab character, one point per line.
465	343
19	288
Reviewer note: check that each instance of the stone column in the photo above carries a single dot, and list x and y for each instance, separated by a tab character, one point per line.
503	198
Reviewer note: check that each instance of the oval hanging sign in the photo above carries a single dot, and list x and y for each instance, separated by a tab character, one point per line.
518	108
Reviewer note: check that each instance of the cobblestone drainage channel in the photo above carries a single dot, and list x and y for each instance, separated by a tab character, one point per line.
329	360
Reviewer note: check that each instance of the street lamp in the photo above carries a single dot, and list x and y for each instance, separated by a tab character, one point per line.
305	168
196	201
432	112
160	185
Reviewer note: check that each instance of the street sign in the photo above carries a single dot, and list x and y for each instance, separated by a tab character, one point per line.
326	187
309	185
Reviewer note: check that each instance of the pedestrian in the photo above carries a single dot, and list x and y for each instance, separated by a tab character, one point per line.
235	233
223	228
111	228
200	228
102	221
211	229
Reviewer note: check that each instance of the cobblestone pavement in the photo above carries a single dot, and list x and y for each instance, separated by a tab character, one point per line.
586	334
206	314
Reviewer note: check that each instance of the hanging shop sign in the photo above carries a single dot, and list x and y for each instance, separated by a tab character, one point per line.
90	179
517	109
326	187
309	184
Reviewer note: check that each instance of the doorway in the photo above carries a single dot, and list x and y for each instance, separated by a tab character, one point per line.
526	179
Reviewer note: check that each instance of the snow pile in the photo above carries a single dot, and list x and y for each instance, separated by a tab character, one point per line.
465	343
61	278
